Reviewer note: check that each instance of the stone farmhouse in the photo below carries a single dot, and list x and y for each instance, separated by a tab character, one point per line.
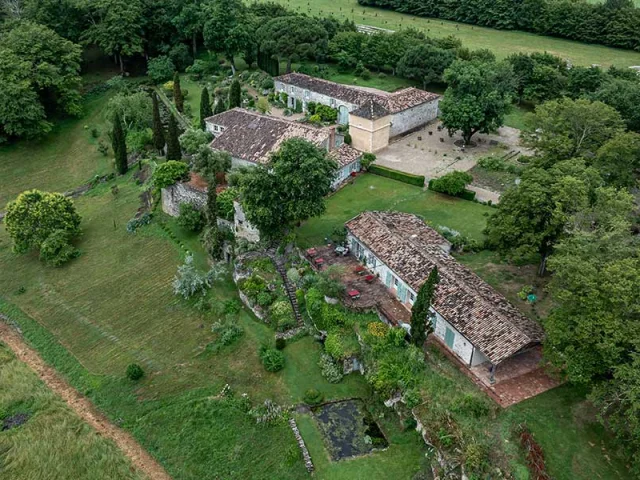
374	116
474	321
251	137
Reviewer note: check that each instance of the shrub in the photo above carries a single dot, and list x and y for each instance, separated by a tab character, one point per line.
263	105
326	113
190	218
281	315
313	397
340	346
411	398
329	284
103	148
193	139
57	249
202	67
347	138
272	359
180	55
264	299
160	68
417	180
189	281
366	160
453	183
135	223
362	72
497	164
168	173
225	200
281	343
232	306
138	140
293	275
226	334
330	369
378	329
134	372
316	119
253	285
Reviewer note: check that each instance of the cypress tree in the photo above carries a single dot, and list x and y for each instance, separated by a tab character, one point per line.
174	152
158	129
235	95
177	93
212	203
205	107
119	145
420	310
220	106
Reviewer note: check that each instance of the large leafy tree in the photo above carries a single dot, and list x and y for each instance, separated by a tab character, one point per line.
562	129
189	21
532	217
478	97
39	73
425	63
289	189
35	215
65	17
619	160
420	324
593	332
225	29
116	26
623	95
292	38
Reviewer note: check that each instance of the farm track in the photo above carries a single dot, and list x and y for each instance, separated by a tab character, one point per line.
82	406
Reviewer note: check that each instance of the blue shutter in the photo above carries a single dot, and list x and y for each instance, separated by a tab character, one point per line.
402	292
388	279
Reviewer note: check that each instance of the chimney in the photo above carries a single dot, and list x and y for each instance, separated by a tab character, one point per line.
332	138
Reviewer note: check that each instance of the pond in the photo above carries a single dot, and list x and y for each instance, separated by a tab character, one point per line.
348	429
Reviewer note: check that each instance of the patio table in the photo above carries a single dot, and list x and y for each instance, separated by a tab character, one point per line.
354	294
359	270
319	261
369	278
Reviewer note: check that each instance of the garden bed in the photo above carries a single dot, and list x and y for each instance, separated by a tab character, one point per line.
348	429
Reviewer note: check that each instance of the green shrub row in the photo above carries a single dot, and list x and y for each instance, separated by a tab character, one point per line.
465	194
417	180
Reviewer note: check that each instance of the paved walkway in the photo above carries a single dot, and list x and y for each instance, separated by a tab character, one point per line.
82	406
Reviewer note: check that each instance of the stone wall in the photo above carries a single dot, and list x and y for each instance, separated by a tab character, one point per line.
243	229
308	96
413	118
179	193
305	453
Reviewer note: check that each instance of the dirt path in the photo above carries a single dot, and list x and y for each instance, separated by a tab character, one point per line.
140	459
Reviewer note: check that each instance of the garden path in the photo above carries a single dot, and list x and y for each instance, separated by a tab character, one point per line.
82	406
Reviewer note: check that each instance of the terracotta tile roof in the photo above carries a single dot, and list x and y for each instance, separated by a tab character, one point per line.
411	249
252	136
392	102
371	110
345	155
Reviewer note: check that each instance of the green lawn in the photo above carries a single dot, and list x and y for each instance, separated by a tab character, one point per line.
371	192
62	160
502	42
53	439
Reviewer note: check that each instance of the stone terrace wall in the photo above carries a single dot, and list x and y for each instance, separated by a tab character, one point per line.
179	193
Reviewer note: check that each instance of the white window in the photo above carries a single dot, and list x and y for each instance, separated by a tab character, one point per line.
215	128
306	94
396	282
333	103
412	298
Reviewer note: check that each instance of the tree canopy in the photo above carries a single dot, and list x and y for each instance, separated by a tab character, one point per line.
477	98
39	72
35	215
425	63
289	189
225	29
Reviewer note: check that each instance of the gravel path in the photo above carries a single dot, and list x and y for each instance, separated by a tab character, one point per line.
81	405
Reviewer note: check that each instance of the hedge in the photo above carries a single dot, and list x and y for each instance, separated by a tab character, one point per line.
417	180
466	195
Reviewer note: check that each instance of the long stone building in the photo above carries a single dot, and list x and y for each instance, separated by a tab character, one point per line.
473	320
374	116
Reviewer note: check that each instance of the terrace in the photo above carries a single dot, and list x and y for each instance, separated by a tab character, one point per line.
372	293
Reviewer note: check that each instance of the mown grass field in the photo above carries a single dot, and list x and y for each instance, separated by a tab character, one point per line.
502	42
65	158
371	192
54	442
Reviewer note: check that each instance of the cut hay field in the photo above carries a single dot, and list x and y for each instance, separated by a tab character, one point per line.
502	42
53	442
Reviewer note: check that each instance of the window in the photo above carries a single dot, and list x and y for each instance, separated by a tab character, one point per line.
333	103
306	94
396	282
412	297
